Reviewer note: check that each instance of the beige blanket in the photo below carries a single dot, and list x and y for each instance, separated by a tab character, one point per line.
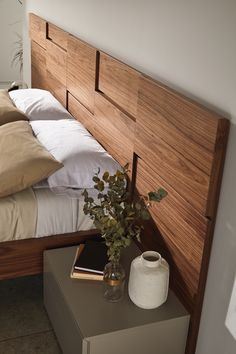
18	216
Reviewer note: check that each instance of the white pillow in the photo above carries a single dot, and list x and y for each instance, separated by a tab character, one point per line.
39	104
69	142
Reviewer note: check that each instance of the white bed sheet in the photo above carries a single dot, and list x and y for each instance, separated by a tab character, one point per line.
59	214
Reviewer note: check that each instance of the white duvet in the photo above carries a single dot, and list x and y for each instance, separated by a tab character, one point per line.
59	214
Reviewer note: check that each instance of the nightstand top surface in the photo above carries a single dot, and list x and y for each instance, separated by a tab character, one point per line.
93	314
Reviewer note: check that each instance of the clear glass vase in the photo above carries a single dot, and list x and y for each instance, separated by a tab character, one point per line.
114	281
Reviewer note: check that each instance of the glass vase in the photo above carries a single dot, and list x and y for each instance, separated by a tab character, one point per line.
114	281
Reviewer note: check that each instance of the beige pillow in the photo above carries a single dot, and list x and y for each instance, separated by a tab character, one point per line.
8	112
23	160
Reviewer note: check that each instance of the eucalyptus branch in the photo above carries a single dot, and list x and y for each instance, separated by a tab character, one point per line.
114	214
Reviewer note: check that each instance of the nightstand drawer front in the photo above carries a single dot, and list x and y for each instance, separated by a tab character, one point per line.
64	325
151	339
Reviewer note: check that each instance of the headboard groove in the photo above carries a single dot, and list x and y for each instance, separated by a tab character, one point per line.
57	36
81	65
169	140
80	112
115	130
119	83
56	61
38	29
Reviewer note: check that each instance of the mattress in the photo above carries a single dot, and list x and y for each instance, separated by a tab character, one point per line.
59	213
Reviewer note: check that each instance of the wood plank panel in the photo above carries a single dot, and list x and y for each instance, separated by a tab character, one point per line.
56	88
56	61
190	182
81	65
25	257
181	227
114	130
43	79
38	66
180	137
57	36
119	82
80	113
184	288
217	166
37	29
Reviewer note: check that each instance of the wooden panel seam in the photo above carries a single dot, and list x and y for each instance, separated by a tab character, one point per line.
98	92
44	48
56	44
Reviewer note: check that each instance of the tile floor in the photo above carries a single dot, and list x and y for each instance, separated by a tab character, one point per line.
24	324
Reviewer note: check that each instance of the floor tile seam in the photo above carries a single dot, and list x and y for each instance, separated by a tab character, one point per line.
24	336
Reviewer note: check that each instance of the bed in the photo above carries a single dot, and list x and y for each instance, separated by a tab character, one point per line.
168	140
47	160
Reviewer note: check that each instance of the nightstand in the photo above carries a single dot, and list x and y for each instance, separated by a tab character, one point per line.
85	323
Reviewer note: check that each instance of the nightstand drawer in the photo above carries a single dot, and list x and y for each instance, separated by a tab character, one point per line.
66	329
85	323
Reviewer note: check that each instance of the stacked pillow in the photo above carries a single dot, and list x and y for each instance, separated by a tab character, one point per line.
8	112
63	138
23	160
39	104
82	156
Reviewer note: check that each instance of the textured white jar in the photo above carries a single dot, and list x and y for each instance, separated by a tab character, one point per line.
149	280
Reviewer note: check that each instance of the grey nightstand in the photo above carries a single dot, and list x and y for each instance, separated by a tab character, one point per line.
86	324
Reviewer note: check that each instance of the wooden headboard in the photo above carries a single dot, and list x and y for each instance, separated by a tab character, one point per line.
168	140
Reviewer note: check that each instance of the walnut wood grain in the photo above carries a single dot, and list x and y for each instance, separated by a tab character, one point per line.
190	182
119	82
57	36
41	78
178	148
184	288
25	257
38	66
114	130
79	112
81	65
217	166
56	88
184	144
56	61
181	227
37	29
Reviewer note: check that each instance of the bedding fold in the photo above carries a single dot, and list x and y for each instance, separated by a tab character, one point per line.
18	216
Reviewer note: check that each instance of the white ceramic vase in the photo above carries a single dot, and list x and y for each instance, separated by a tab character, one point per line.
149	280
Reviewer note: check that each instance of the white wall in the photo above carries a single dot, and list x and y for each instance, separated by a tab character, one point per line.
11	15
191	46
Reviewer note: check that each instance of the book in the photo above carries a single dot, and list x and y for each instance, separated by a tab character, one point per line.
92	257
92	251
77	274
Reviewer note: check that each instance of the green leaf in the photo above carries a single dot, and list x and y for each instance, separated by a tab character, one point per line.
85	193
99	186
114	214
162	192
96	179
158	195
145	214
105	176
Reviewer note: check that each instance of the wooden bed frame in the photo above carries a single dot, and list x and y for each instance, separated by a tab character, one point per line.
168	140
